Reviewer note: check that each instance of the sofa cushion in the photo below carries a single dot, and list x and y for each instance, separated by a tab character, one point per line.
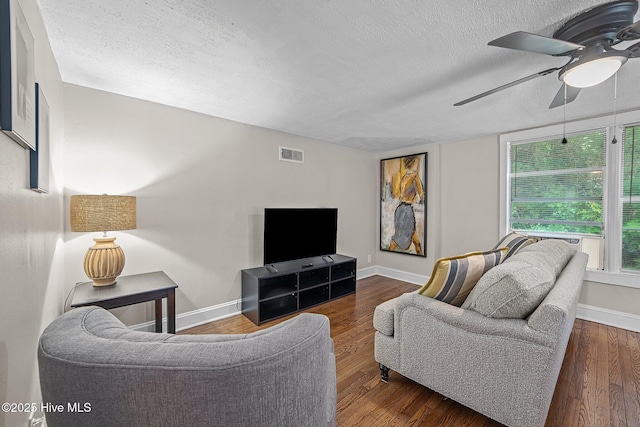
453	278
515	288
513	291
515	242
553	253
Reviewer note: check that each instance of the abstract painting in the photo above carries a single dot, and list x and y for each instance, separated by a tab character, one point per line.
39	159
17	75
403	203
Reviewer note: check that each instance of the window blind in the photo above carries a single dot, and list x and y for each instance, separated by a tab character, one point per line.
631	198
557	187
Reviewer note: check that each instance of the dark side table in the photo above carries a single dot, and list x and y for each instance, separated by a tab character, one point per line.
130	290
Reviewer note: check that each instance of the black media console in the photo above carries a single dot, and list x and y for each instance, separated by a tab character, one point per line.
279	289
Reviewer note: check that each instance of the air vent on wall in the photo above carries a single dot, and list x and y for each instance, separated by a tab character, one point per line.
291	155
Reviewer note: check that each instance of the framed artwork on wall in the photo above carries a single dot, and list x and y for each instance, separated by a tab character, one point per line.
17	76
39	158
403	204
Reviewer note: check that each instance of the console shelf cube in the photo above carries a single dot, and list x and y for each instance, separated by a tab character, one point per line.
296	285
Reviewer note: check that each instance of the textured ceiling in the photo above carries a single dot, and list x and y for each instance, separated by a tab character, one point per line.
375	75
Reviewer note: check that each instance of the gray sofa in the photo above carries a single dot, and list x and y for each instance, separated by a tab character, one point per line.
283	375
487	358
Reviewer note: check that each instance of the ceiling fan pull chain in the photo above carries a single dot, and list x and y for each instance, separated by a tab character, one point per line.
564	115
615	101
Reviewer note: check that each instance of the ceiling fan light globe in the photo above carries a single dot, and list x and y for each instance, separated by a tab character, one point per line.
593	72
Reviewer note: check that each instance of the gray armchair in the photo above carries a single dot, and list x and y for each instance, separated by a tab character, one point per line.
113	376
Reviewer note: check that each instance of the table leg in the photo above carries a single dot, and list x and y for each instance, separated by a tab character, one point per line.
171	311
158	315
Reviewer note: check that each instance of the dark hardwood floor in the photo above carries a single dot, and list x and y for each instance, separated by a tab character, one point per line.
599	384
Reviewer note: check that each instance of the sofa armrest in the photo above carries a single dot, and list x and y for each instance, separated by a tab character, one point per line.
560	304
468	320
383	316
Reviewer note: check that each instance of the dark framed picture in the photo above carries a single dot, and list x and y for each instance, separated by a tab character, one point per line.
17	76
39	158
403	204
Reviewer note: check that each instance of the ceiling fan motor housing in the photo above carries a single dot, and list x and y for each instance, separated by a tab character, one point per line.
598	25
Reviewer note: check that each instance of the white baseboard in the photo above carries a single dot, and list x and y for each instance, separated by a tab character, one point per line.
367	272
605	316
416	279
194	318
220	311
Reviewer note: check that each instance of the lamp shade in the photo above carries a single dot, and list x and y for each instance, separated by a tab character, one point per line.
104	261
102	213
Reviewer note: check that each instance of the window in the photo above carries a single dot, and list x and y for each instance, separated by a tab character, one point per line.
586	191
631	199
558	187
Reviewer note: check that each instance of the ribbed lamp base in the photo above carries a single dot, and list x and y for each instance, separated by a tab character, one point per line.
104	261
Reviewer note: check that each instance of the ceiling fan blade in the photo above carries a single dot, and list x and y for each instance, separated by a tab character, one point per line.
558	100
632	32
635	50
508	85
521	40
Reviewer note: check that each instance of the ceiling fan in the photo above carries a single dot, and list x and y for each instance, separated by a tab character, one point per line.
588	41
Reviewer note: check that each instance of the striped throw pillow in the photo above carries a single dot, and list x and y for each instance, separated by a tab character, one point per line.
514	242
453	278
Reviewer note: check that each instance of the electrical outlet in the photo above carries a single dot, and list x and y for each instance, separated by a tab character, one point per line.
369	258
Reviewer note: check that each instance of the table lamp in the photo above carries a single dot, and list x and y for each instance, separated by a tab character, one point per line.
104	261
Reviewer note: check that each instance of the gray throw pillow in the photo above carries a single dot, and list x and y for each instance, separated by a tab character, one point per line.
553	253
511	290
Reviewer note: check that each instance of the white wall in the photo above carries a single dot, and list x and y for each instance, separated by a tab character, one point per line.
202	184
611	297
470	198
31	248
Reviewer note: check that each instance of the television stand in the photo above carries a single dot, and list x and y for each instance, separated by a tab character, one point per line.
295	286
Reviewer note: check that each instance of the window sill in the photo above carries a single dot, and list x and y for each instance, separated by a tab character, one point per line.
629	280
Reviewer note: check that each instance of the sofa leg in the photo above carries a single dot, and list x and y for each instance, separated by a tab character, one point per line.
384	373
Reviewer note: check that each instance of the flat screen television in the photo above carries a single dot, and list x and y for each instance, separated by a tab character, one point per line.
294	233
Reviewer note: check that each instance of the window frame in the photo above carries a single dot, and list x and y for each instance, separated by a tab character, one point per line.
612	200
